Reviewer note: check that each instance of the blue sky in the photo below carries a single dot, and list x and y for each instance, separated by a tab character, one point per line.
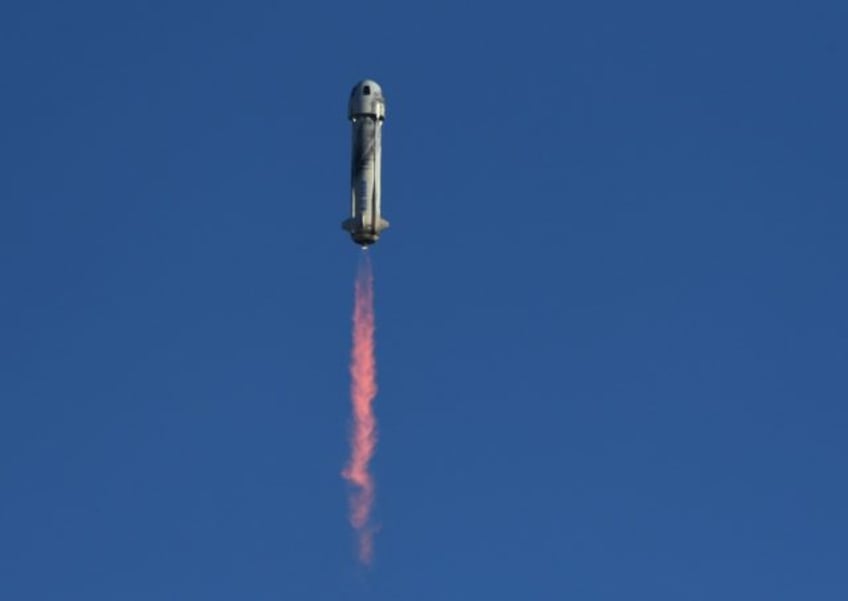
612	337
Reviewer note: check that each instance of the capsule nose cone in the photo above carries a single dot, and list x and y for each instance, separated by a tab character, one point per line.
372	87
366	98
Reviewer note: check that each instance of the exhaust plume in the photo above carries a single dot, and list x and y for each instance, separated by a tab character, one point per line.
363	389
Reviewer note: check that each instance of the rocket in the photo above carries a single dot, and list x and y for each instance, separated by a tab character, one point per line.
366	111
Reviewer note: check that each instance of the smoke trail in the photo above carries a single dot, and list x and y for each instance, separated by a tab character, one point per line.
363	389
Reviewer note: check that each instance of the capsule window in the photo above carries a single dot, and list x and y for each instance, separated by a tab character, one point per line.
366	90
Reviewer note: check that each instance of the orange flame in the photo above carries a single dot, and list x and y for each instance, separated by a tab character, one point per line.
363	389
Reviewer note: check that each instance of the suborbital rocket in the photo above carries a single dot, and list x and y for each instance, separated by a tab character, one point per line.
367	111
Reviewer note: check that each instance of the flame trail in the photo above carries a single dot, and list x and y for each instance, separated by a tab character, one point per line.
363	389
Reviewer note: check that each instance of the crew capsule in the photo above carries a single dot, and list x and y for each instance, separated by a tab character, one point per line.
366	111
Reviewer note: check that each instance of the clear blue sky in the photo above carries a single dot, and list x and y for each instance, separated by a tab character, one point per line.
611	307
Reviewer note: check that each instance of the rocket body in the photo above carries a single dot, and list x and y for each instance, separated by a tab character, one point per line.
367	111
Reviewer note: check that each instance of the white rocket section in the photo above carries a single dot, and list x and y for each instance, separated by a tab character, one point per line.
367	111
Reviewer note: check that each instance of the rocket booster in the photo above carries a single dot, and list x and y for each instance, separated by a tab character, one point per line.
366	110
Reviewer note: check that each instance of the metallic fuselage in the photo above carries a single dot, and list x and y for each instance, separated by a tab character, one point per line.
367	111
